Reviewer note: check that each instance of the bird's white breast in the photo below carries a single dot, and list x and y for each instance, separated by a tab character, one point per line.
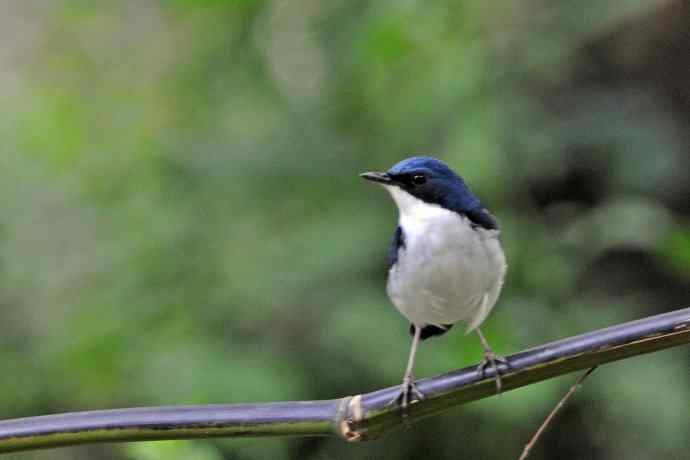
447	270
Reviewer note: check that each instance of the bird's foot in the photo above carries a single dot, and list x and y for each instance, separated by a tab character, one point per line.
408	393
491	358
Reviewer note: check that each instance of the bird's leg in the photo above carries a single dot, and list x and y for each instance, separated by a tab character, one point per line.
491	358
408	389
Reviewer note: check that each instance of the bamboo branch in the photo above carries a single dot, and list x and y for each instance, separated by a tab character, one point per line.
354	418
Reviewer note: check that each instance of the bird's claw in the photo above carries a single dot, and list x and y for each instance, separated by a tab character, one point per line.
408	394
491	358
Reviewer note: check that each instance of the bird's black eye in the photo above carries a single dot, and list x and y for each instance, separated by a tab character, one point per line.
418	179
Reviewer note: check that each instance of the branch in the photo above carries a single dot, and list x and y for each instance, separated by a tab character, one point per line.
354	418
545	424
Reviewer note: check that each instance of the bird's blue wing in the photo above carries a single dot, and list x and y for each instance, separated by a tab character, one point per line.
482	218
397	244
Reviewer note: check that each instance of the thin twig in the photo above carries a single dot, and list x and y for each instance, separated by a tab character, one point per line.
550	417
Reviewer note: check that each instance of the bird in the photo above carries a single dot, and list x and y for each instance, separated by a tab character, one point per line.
446	261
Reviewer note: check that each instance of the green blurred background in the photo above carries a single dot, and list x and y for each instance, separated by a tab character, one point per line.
182	221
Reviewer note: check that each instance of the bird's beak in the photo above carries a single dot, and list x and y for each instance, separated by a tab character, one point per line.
380	177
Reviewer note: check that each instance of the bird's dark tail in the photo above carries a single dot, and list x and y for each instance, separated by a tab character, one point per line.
430	331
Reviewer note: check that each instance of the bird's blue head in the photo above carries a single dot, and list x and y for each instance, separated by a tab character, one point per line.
430	180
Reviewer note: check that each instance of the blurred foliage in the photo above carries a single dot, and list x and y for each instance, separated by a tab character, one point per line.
183	222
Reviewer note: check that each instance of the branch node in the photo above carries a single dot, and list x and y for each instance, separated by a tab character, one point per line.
348	414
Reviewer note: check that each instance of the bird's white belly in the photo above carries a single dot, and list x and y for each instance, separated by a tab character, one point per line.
447	271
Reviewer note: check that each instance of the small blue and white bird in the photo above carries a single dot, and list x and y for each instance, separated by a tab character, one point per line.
446	260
